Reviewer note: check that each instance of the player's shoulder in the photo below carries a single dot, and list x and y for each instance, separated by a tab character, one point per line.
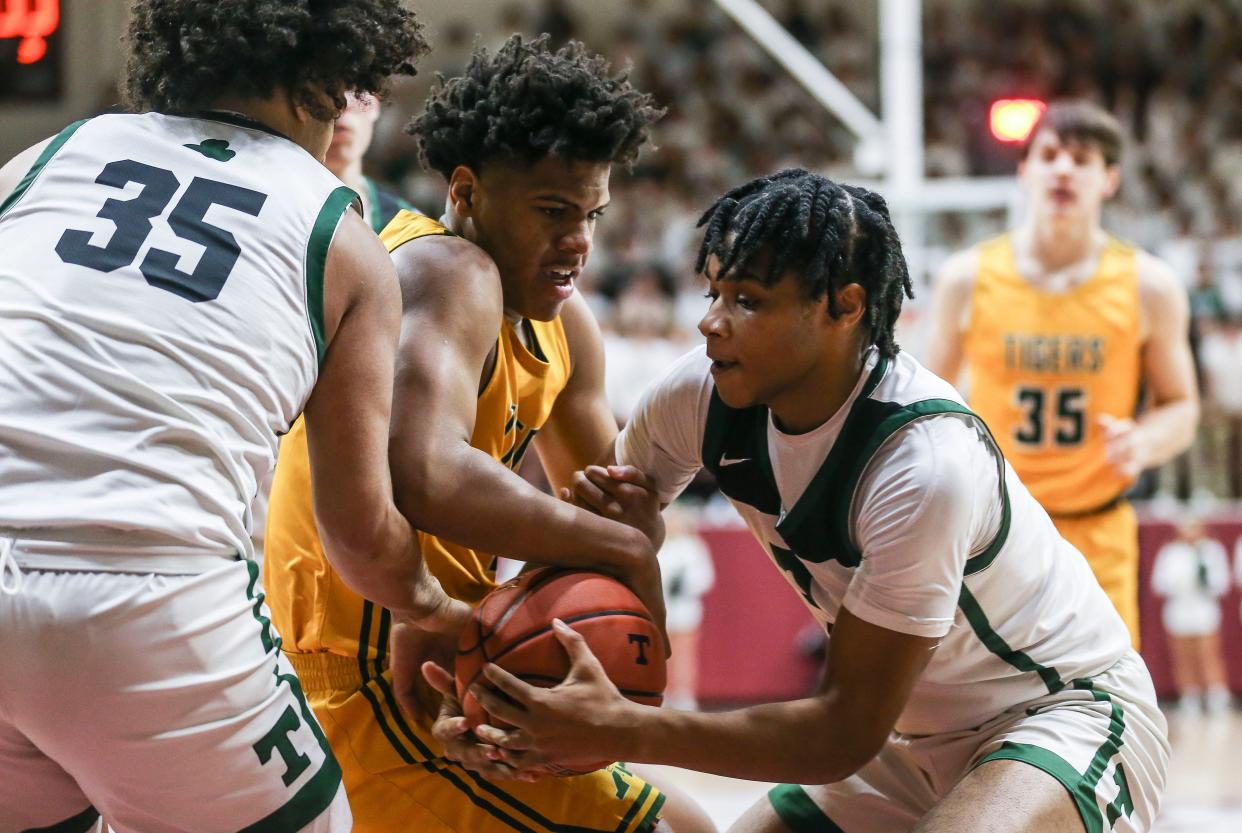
692	370
582	331
936	455
1157	280
13	171
684	385
448	268
939	424
956	275
906	382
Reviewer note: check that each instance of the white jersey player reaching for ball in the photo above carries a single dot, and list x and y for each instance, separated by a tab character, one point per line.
175	288
977	678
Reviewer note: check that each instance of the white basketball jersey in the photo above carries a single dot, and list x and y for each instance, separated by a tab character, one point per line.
901	509
161	309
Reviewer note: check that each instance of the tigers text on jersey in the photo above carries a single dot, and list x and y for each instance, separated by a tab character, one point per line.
896	508
161	322
1044	366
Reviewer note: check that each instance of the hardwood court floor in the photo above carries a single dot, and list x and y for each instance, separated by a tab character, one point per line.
1204	793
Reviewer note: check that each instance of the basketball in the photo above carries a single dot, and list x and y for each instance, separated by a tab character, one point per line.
512	627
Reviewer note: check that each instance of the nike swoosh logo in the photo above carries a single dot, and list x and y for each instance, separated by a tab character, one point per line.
726	460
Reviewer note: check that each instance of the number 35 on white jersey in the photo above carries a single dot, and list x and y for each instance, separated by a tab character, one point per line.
161	307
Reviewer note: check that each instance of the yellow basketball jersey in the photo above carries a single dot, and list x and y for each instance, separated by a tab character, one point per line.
311	607
1044	367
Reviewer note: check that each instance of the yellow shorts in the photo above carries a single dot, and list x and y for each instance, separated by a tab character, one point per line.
1109	540
398	780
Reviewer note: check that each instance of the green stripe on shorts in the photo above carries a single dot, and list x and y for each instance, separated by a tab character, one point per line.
316	795
799	812
653	816
1081	786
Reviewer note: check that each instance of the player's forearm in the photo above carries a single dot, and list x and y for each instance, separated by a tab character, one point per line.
1167	430
466	497
386	567
801	741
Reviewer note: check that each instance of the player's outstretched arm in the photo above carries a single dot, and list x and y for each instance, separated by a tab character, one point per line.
816	740
950	311
452	314
366	539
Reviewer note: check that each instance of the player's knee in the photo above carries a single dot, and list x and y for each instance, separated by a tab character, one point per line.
682	814
1005	797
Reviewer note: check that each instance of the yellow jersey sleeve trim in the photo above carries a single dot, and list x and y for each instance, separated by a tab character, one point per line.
407	226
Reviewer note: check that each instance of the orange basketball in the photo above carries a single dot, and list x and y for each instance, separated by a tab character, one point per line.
512	627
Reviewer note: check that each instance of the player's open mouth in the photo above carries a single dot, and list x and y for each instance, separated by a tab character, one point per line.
563	280
1062	196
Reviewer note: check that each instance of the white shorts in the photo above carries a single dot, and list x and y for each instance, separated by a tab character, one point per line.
162	702
1104	739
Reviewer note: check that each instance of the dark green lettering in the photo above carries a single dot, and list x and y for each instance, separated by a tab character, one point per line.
278	739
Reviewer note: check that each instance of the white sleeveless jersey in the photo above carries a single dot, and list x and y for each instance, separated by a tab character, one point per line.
161	309
901	509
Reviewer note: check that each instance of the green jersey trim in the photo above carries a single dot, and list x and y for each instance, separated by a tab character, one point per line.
799	812
735	451
326	223
993	641
817	526
37	168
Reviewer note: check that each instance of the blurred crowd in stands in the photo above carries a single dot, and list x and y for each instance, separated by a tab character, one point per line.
1171	71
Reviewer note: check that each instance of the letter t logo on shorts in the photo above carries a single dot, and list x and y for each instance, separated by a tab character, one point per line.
278	739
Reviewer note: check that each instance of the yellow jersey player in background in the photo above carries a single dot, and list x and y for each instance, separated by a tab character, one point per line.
497	354
1060	324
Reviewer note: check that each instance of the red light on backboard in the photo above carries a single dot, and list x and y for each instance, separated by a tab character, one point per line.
32	21
1011	119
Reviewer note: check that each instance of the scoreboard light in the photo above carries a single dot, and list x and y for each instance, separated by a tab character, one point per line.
1012	119
31	21
30	49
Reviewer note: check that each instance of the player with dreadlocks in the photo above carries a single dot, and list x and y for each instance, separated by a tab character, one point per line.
497	353
790	215
977	677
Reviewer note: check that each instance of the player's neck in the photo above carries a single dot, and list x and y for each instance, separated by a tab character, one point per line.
1055	245
818	396
351	175
278	113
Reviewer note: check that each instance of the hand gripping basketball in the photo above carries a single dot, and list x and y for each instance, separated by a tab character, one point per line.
512	628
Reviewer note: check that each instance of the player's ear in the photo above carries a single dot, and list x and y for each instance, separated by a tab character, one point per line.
851	304
462	184
1112	180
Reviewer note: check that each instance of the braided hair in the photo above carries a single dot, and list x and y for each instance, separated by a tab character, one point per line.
830	234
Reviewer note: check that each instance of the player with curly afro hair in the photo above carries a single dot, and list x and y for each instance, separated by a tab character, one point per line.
498	356
187	54
527	102
211	285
